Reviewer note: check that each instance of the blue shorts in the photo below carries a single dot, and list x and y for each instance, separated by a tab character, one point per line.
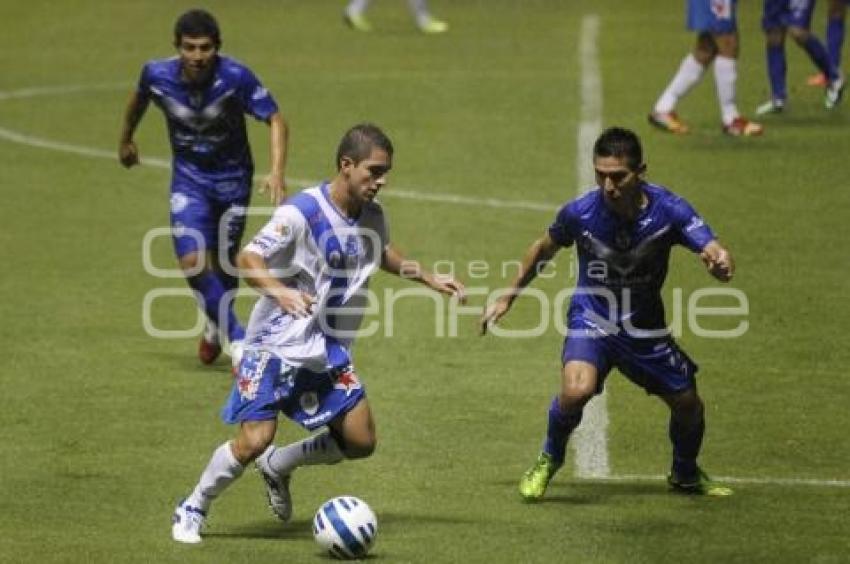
199	222
265	386
787	13
712	16
655	364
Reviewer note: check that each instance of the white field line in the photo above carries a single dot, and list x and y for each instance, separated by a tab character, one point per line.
759	481
590	440
158	162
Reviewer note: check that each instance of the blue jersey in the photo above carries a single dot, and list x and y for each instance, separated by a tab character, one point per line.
778	14
623	265
206	123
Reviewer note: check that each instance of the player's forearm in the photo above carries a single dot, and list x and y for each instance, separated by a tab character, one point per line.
540	252
133	114
278	144
255	272
394	262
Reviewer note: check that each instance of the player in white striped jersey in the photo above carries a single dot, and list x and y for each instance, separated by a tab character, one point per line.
311	263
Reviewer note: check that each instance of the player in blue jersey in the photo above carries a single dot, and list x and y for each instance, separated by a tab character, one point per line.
623	230
311	263
205	96
717	42
794	17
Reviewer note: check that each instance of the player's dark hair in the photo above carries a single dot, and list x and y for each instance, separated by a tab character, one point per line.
358	142
620	143
197	23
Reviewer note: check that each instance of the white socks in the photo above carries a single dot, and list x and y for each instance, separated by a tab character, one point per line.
725	75
221	471
317	449
690	72
357	7
418	8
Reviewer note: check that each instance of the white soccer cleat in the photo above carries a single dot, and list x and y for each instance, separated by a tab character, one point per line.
834	92
277	488
186	523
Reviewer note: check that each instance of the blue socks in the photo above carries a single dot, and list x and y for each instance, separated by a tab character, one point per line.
835	39
818	55
687	441
561	424
211	286
776	69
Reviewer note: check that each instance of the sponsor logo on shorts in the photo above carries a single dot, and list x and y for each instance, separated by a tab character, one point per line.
320	418
309	403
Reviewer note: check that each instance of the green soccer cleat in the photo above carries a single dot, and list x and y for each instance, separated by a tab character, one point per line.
357	21
533	484
431	25
699	485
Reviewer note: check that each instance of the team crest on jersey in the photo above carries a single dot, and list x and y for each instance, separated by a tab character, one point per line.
283	230
347	381
179	202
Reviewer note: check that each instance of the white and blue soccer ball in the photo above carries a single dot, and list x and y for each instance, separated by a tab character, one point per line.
345	527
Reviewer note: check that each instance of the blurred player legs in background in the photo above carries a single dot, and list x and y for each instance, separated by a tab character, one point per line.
717	42
354	16
835	18
781	17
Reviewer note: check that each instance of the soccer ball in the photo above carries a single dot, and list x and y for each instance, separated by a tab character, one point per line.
346	527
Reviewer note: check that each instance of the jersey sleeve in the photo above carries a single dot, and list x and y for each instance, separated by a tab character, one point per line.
693	232
286	226
143	87
256	99
562	230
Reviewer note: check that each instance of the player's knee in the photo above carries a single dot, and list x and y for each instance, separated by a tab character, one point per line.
688	406
361	447
248	446
799	34
575	394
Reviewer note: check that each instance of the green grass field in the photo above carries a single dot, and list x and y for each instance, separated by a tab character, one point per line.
104	428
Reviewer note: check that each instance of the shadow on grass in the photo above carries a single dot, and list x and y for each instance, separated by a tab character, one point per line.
266	529
591	492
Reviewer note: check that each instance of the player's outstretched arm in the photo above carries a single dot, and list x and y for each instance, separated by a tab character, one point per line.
128	153
718	260
540	252
275	182
253	269
394	262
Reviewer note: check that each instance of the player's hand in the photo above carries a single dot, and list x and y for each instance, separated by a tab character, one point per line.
494	313
296	303
275	185
128	153
718	261
449	286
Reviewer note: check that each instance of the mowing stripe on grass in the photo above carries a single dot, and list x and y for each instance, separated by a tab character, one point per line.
590	440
